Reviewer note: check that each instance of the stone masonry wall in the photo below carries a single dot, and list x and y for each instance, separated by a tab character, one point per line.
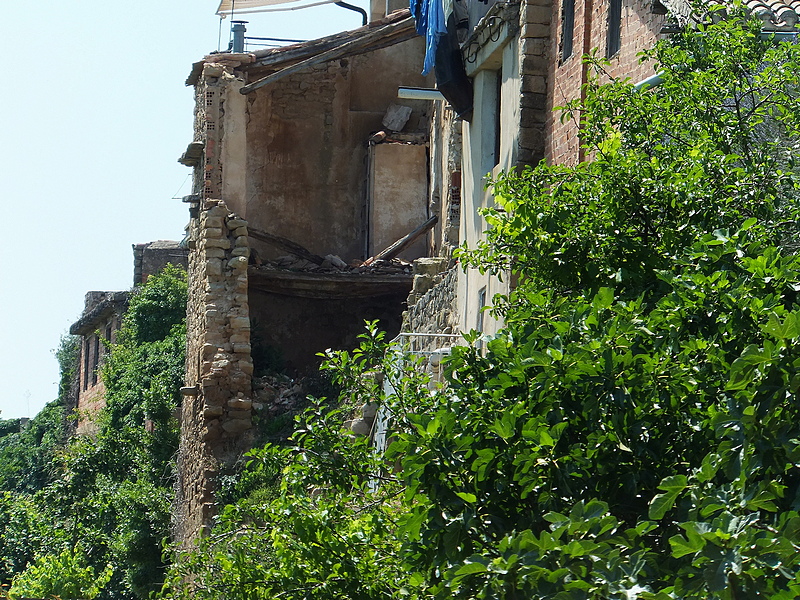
216	418
534	60
432	307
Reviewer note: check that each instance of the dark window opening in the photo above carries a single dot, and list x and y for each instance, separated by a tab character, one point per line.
497	120
614	42
95	359
567	28
85	364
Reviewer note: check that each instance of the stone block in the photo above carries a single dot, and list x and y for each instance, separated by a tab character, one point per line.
240	231
237	426
221	366
223	243
212	232
214	253
534	47
239	323
533	101
214	267
536	84
236	223
535	65
369	411
535	30
246	366
237	263
241	251
534	14
240	404
531	138
242	348
217	211
430	266
212	412
359	426
215	222
532	118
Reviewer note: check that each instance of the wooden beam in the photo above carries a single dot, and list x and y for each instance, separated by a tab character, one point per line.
403	243
285	244
371	40
329	286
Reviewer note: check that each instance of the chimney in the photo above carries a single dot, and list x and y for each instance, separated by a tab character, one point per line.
238	29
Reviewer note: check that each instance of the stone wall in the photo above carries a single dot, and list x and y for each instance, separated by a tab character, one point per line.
216	415
152	257
97	327
432	305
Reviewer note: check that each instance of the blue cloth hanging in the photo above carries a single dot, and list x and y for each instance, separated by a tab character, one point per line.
430	19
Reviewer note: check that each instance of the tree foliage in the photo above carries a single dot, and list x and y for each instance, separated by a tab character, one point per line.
93	524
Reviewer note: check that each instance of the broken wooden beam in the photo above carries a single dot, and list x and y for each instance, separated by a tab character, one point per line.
385	35
285	244
403	243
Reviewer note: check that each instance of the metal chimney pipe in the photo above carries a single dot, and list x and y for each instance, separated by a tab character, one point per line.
238	30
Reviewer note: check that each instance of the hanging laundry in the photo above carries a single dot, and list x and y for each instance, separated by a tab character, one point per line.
451	76
430	19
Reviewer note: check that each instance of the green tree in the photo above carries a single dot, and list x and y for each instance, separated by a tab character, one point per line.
88	516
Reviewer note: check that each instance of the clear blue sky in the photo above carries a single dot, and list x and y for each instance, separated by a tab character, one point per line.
95	114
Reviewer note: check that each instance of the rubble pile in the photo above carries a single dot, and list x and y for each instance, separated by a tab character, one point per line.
278	394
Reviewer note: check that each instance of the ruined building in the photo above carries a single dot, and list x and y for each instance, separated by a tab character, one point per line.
306	165
317	181
100	321
307	169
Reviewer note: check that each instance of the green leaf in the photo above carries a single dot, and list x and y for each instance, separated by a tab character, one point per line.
662	503
603	298
471	568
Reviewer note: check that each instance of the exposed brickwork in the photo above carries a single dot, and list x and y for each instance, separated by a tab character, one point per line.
640	29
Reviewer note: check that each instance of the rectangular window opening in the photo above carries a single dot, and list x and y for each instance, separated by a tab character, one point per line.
567	28
95	359
85	364
614	41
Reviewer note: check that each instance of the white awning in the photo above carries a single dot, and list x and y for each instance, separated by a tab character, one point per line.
226	7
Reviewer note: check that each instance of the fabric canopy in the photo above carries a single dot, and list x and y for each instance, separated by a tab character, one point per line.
226	7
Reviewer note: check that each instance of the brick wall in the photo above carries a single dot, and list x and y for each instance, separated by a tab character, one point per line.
641	23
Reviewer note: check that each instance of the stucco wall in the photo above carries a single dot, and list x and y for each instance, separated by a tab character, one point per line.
398	196
489	148
307	146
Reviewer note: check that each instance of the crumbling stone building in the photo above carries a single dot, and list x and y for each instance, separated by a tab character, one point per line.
306	168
